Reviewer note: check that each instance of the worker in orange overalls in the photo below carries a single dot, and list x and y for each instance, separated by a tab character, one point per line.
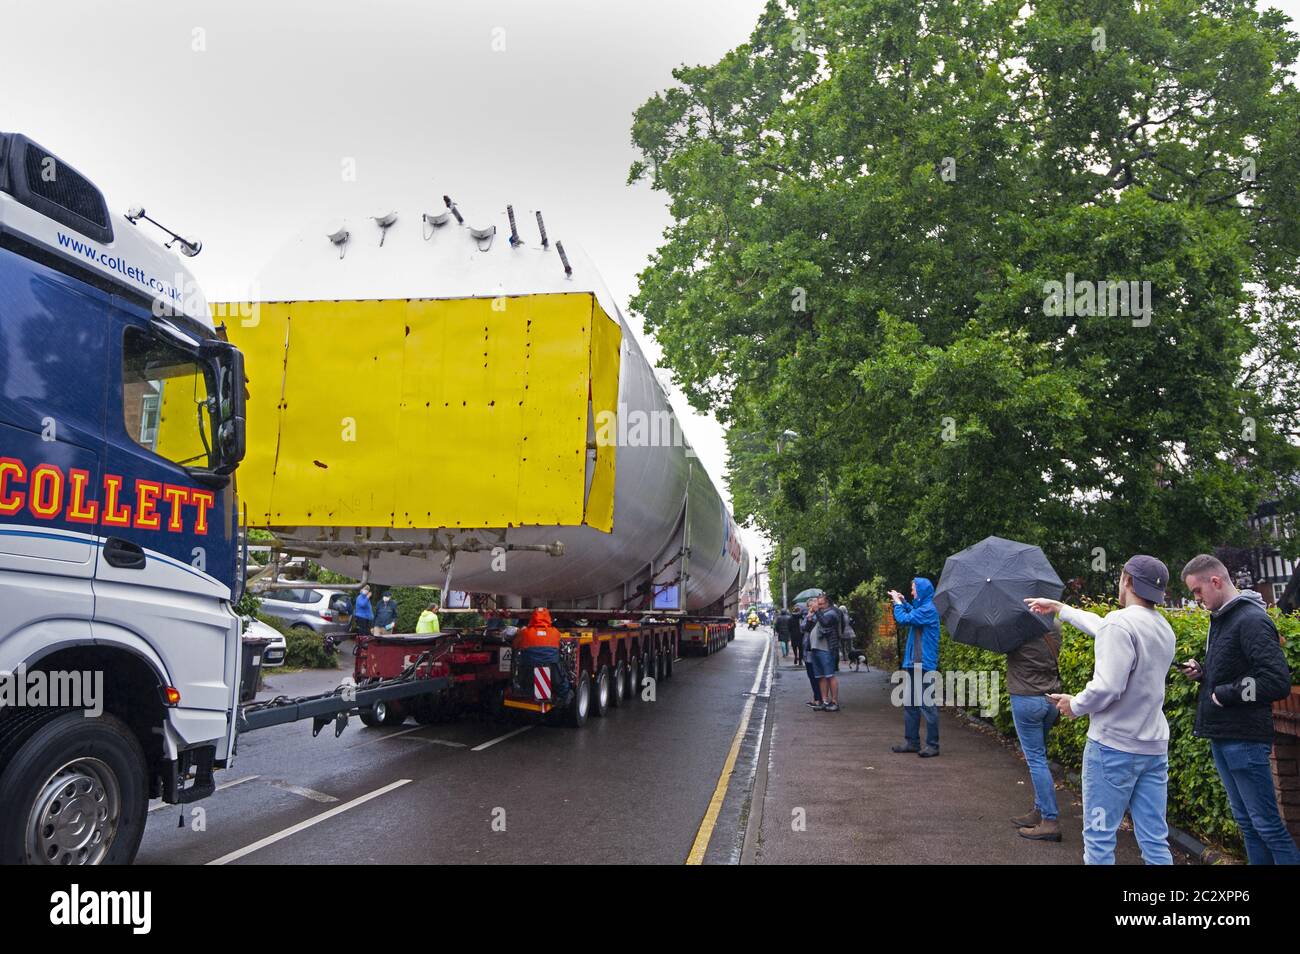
538	644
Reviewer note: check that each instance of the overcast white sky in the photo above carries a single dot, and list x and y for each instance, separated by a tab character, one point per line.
231	120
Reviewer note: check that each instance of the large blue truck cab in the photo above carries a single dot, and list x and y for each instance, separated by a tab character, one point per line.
121	425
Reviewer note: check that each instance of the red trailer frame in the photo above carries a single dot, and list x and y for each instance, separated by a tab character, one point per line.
608	657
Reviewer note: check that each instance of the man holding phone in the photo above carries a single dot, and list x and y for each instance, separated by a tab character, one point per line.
1245	671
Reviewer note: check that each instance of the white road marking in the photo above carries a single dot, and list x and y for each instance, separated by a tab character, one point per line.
385	735
304	825
305	792
220	788
500	738
446	742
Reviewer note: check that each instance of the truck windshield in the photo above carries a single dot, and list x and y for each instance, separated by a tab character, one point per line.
167	400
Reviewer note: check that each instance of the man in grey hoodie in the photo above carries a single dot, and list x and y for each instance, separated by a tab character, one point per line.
1126	762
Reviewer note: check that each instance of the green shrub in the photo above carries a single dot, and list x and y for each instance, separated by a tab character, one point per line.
1197	802
302	648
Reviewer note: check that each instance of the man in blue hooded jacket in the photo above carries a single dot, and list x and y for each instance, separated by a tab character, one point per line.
920	614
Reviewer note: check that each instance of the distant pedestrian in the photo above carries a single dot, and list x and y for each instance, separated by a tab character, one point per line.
1245	672
822	627
848	639
804	657
386	615
1126	761
1033	672
781	625
920	666
796	635
363	615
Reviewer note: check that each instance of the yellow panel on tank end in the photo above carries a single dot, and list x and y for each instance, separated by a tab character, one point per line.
425	413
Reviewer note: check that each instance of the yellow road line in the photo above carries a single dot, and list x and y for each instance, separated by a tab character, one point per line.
701	845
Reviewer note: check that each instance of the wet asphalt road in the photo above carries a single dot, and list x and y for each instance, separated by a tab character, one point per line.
633	787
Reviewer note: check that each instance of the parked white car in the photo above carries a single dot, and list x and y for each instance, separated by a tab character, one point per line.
276	647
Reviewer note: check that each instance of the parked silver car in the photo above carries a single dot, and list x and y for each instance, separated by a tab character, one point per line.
322	610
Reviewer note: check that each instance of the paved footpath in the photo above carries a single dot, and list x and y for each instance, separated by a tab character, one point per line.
862	803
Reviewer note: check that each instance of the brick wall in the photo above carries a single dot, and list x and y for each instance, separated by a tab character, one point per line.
1286	761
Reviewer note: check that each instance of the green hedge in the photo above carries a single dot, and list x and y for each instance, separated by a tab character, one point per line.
1197	802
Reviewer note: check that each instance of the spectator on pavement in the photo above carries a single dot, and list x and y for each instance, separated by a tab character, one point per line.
822	627
796	633
920	665
1032	674
1125	762
1244	673
781	625
802	655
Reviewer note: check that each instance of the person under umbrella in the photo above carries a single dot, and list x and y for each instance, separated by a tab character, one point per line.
919	666
981	600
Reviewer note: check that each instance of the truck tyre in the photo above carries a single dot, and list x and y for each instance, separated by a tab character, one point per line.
668	661
659	666
633	678
618	685
600	690
383	713
73	790
580	707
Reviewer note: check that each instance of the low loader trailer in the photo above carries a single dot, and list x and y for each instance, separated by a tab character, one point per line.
608	662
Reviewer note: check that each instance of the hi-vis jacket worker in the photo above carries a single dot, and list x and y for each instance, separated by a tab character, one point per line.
428	621
538	644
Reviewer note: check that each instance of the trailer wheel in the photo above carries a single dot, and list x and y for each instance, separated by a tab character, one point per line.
600	692
634	678
668	662
659	666
580	707
618	685
383	713
74	790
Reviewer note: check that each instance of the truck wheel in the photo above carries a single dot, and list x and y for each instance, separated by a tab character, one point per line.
634	678
73	790
659	666
618	685
600	692
580	707
668	662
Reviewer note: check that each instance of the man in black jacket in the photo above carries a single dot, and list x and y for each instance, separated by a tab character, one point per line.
1244	673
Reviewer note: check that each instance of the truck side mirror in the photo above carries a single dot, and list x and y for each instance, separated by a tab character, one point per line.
231	432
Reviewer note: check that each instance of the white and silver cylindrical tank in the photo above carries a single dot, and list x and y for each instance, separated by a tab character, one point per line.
670	525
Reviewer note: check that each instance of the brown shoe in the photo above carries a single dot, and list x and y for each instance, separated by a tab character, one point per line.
1029	820
1049	829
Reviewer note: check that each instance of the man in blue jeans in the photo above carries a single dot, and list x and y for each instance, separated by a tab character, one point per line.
1244	673
921	665
1032	673
1126	760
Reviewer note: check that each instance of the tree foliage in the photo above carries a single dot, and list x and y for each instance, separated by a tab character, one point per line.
871	200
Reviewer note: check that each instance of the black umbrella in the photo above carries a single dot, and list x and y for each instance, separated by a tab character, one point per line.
981	594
